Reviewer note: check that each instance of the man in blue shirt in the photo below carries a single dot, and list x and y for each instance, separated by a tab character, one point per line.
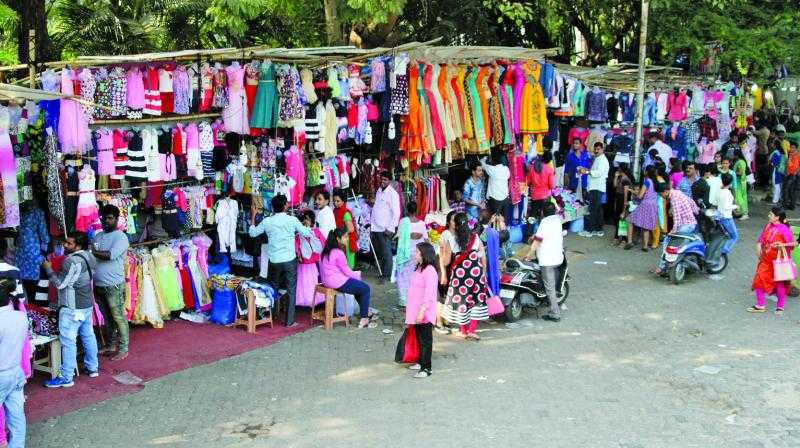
689	178
473	191
576	159
281	230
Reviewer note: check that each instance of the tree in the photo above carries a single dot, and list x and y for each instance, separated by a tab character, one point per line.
32	15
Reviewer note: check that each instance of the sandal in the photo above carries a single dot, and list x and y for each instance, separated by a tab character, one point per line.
779	312
473	337
362	324
755	309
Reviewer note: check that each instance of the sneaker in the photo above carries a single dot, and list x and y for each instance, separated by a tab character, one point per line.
415	367
744	217
422	374
600	234
57	382
585	234
91	374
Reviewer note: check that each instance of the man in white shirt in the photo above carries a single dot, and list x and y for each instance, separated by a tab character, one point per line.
548	246
597	188
326	221
714	182
726	206
383	224
497	190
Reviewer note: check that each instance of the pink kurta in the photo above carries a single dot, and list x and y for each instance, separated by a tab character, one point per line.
424	290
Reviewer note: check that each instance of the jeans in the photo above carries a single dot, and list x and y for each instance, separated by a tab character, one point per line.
497	207
12	399
382	245
550	280
788	193
112	303
71	324
286	271
361	292
425	338
730	226
594	221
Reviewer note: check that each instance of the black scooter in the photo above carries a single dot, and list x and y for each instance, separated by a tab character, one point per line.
521	286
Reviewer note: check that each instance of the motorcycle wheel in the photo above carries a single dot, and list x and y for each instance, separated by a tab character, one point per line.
514	310
563	294
723	263
677	273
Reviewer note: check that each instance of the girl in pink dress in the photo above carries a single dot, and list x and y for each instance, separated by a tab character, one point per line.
308	252
422	304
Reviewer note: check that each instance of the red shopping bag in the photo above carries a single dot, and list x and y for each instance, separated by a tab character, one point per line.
407	347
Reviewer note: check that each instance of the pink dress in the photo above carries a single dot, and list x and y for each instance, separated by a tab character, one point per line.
87	200
235	113
308	274
678	106
424	290
295	169
105	152
135	93
73	130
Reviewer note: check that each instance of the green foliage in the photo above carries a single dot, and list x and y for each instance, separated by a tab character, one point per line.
8	39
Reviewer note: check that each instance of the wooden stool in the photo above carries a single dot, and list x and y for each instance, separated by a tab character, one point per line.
250	321
51	362
330	304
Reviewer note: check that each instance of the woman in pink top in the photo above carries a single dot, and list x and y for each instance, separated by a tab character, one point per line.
421	304
337	274
542	180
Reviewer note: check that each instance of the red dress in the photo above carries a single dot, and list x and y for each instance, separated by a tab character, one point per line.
764	277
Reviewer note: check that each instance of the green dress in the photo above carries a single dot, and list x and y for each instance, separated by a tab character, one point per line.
351	256
740	193
265	108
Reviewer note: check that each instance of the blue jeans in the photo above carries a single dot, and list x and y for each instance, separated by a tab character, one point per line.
730	226
361	292
72	323
13	401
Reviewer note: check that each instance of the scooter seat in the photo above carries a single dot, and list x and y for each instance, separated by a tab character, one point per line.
514	264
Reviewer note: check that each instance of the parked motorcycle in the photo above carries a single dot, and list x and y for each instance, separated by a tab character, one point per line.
696	252
521	287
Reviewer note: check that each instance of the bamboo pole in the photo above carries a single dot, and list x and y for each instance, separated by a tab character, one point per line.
640	92
31	58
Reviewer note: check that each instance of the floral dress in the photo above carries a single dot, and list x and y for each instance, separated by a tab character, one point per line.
468	290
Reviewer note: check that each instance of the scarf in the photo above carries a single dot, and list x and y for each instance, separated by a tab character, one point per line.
339	213
493	260
403	242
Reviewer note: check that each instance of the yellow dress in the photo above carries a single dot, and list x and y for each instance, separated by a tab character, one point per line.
533	118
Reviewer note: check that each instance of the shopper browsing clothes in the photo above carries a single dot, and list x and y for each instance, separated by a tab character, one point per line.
548	248
75	305
776	236
468	289
725	206
411	232
597	189
497	188
110	249
336	273
13	336
385	217
474	192
422	303
325	219
281	230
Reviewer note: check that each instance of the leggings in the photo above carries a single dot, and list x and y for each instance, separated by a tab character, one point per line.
780	292
469	328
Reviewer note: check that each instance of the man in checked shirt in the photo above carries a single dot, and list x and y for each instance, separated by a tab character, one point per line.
684	220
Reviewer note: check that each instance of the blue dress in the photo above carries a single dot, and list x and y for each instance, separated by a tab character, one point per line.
32	241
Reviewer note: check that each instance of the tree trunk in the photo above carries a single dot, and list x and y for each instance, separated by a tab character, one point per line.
332	28
33	16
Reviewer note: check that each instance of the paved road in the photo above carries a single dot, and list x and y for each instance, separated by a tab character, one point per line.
636	363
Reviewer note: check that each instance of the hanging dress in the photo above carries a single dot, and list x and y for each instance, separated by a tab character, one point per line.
88	213
73	131
251	75
234	114
265	110
135	93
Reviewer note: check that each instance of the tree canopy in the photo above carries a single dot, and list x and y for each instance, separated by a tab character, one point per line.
755	35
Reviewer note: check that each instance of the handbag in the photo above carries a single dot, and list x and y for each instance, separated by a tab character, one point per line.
407	347
783	267
495	306
622	227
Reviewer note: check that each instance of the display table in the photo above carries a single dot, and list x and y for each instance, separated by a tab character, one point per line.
51	362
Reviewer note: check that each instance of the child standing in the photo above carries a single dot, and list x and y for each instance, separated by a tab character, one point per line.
421	304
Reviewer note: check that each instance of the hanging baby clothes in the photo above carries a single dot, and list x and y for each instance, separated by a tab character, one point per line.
166	88
88	86
251	75
206	87
9	203
226	214
135	93
181	88
87	200
152	96
235	112
220	87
